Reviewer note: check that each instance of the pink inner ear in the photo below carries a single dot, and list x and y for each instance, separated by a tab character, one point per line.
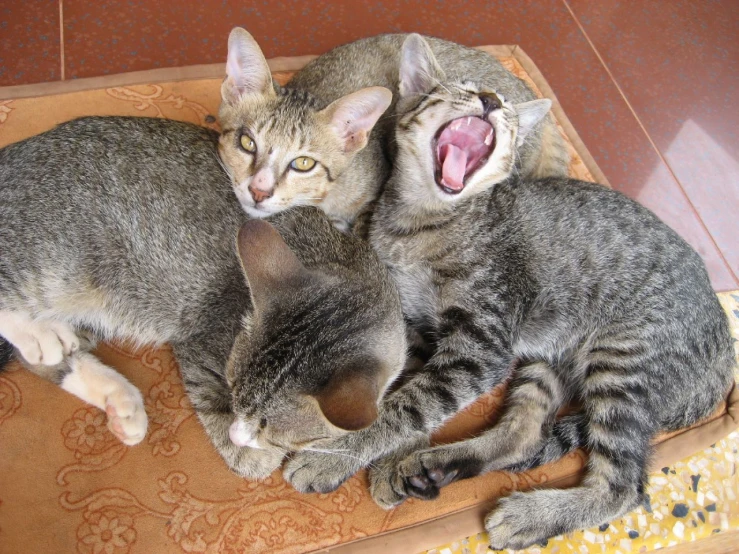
246	69
355	115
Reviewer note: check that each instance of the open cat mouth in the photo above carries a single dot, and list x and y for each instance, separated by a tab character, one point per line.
461	147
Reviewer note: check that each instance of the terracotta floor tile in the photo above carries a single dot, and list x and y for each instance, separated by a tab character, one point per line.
116	36
29	41
660	192
677	64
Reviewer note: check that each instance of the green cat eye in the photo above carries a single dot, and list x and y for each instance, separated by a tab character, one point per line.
248	144
303	163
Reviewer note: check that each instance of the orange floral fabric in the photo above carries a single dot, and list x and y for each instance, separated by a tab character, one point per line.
67	485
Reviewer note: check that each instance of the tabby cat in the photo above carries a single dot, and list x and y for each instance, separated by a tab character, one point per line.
586	294
283	146
295	146
126	228
480	122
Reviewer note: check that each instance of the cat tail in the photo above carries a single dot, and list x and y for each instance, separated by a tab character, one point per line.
6	352
568	434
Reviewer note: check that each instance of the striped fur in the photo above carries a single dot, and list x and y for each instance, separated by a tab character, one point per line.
588	297
433	82
102	239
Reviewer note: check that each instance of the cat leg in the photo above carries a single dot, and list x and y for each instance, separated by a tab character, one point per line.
534	396
567	435
619	428
96	383
472	355
38	341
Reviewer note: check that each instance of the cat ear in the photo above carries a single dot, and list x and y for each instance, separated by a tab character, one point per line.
349	401
529	114
268	263
419	70
353	116
247	71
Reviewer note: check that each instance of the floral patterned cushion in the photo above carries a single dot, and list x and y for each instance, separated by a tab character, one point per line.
67	485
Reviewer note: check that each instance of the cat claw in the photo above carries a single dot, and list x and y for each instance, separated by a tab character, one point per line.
127	418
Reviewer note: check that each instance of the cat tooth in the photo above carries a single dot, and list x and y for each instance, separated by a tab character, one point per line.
456	125
469	120
489	138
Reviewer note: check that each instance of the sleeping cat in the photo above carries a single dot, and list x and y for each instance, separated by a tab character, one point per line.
126	228
480	122
584	291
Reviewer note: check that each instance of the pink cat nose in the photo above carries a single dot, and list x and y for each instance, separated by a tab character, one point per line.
241	436
258	195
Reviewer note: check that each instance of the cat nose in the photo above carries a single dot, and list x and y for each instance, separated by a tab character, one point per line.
490	102
258	194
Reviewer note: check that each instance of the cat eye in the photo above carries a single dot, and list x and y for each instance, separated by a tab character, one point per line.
248	144
303	163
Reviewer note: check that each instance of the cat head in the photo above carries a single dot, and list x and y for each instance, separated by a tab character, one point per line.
280	146
456	138
315	358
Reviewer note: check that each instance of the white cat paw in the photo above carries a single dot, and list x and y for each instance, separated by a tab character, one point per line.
127	418
40	342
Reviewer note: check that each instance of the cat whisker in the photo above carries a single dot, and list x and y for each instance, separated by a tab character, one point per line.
220	162
434	96
439	84
391	115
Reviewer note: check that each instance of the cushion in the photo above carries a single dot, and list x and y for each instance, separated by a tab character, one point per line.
67	485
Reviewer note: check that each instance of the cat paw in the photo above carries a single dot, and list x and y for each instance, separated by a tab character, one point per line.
254	463
386	486
513	526
45	342
425	472
126	415
319	472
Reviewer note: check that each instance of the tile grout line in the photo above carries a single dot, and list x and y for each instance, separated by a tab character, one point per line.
61	36
649	138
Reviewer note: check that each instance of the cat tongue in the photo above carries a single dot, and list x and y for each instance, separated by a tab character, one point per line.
453	167
461	146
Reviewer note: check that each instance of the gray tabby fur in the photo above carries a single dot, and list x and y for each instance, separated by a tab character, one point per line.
588	297
126	228
451	70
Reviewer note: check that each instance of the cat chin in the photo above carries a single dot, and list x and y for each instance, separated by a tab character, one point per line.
255	212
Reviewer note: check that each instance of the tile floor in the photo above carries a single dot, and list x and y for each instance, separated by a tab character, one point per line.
648	85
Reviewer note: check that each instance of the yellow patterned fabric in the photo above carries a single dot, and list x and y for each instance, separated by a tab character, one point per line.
690	500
